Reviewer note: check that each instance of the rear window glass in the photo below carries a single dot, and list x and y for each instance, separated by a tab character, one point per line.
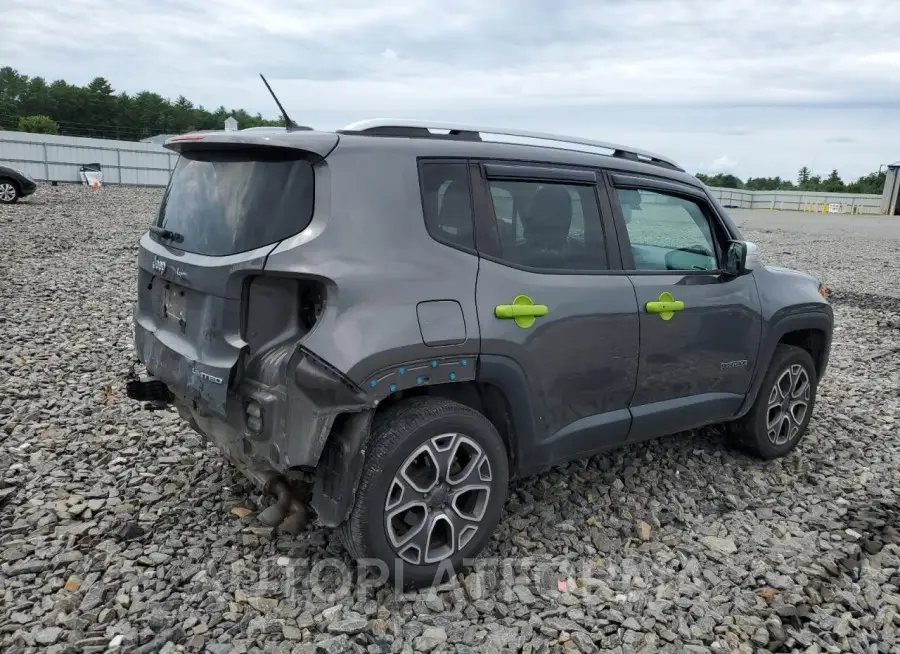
225	202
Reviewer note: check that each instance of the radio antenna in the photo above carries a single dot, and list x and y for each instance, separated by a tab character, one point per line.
288	123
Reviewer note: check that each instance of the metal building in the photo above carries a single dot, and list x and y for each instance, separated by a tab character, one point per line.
890	196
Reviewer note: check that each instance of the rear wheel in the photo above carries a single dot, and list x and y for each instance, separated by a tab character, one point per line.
9	191
432	491
780	416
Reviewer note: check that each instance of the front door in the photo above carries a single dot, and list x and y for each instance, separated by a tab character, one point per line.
699	327
556	326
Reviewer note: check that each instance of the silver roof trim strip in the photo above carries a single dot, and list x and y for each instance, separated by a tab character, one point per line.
381	123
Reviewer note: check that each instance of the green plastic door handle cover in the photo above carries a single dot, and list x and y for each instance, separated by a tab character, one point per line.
523	310
665	306
662	307
513	311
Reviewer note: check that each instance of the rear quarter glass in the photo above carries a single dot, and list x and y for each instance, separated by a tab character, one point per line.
224	202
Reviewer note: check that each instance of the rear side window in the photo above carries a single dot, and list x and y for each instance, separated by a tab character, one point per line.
225	202
549	226
447	203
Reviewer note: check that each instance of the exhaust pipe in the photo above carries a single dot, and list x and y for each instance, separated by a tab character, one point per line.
289	514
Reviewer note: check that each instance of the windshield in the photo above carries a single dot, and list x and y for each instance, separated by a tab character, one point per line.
225	202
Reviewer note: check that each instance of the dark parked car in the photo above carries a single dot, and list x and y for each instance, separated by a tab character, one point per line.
414	315
15	184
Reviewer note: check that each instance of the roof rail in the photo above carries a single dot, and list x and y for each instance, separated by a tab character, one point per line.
455	131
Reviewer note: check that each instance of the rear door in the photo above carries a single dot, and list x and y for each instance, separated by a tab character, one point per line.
225	208
559	329
699	327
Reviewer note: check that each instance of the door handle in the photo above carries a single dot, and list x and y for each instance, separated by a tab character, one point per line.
665	307
523	311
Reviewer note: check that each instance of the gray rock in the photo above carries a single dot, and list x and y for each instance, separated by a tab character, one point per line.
335	645
842	629
474	584
524	595
719	545
11	554
761	637
584	643
331	614
292	633
631	623
92	599
47	636
27	568
350	625
305	620
158	558
431	638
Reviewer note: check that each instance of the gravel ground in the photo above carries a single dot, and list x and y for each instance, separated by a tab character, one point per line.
119	532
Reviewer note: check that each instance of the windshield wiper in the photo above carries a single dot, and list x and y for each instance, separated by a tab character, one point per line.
166	235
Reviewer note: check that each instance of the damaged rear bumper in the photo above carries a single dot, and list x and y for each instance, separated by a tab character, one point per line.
271	411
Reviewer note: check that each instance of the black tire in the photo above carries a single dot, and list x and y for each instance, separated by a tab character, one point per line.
751	433
9	191
402	430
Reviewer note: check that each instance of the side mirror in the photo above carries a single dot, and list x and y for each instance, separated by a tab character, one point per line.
742	257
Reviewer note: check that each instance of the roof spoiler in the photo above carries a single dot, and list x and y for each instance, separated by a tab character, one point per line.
318	145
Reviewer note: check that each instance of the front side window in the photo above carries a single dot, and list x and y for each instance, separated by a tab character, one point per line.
549	226
667	232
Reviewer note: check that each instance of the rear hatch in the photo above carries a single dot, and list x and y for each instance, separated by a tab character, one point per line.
229	202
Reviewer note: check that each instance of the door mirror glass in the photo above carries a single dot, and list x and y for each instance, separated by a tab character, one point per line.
736	258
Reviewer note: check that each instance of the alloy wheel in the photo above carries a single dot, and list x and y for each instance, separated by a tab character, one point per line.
7	192
437	499
788	404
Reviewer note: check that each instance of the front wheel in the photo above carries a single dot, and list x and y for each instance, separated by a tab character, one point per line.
780	416
431	493
9	192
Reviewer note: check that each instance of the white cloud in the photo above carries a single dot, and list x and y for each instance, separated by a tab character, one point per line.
687	78
723	164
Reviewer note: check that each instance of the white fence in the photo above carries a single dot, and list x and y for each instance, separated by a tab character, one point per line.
799	201
60	158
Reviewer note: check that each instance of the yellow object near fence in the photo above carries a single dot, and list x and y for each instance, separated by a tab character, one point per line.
833	207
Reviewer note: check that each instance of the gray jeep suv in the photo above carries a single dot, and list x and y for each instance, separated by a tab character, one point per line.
408	315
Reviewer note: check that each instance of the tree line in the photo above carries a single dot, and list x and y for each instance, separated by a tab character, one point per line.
31	104
806	181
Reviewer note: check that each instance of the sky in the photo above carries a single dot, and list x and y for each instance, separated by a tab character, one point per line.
750	87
